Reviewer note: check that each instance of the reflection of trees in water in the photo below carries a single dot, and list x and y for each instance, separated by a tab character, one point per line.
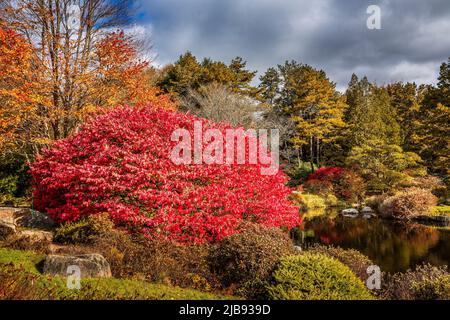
394	246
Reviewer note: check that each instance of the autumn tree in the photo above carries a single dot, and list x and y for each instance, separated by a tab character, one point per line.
310	100
17	99
20	123
120	76
79	66
60	62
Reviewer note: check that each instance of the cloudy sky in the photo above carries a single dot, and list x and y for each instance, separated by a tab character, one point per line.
328	34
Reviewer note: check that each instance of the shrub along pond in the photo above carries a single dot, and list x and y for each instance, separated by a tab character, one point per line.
392	245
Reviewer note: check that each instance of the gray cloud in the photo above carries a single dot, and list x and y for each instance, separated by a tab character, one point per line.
328	34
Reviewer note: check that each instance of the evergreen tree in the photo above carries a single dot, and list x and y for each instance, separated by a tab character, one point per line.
269	86
182	75
406	100
370	115
433	137
242	78
187	73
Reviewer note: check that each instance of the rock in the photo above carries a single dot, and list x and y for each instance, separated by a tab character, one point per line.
367	210
91	265
7	228
36	236
298	248
352	213
29	218
368	213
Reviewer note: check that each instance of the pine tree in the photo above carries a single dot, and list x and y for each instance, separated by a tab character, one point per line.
242	77
406	100
312	102
188	73
433	137
370	115
182	75
269	86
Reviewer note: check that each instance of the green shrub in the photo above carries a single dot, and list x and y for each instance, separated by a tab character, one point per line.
246	260
14	180
426	282
355	260
315	277
298	173
317	186
84	230
408	203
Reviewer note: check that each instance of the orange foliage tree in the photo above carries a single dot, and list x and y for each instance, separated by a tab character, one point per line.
19	94
55	74
121	76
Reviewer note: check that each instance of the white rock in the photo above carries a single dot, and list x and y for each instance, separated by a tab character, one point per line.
350	212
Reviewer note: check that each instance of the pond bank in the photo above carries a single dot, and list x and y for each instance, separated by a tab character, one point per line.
394	246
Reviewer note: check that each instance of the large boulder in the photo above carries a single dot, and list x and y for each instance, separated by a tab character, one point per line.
11	218
91	265
29	218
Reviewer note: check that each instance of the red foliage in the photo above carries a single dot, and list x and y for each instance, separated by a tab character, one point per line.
120	163
326	174
344	183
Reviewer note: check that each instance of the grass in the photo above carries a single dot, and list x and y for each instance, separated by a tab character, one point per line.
26	260
20	279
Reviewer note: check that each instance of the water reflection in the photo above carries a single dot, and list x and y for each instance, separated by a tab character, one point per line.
391	245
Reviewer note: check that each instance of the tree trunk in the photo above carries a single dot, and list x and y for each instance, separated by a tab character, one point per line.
318	152
287	152
311	149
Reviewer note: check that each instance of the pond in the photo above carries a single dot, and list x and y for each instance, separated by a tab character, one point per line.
393	246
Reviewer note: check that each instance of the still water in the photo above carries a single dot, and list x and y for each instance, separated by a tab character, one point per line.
391	245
